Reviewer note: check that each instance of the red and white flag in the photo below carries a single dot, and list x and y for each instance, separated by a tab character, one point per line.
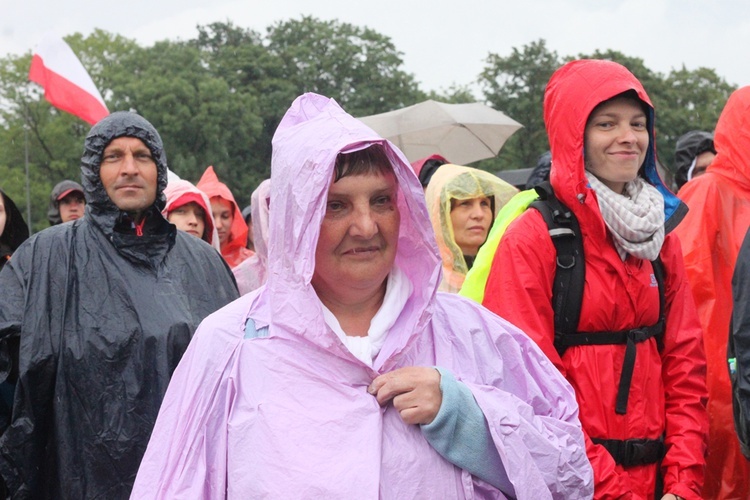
67	85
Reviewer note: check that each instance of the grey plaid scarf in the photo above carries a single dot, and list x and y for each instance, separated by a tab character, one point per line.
635	218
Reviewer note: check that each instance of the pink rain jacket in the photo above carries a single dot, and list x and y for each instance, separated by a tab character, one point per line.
176	189
288	415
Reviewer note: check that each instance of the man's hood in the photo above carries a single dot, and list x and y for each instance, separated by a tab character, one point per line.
571	95
309	138
118	124
732	139
53	212
159	236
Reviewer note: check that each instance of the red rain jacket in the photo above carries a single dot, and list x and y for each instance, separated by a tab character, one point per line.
668	391
235	251
711	237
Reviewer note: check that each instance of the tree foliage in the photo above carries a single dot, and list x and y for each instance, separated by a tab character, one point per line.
684	100
217	98
515	85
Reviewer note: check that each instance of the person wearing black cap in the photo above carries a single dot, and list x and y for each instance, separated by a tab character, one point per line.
694	152
66	202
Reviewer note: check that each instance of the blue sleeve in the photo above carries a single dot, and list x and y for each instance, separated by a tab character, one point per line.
460	434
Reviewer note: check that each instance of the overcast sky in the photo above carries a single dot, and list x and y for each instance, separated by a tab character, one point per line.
443	42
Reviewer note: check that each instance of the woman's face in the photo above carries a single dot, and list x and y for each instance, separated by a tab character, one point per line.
471	220
190	218
3	215
358	237
616	142
223	213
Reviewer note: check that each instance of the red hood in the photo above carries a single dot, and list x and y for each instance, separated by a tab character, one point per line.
732	139
572	93
210	184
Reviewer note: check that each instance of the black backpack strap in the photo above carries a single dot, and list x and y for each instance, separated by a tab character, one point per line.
567	289
659	274
628	337
633	452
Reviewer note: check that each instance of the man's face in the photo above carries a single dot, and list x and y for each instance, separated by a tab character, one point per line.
72	206
128	173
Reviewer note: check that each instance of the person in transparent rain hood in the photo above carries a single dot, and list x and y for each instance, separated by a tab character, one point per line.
463	203
347	375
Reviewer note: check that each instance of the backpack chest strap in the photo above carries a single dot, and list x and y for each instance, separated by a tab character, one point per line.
628	337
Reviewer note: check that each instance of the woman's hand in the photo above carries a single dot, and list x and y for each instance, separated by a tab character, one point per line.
414	390
670	496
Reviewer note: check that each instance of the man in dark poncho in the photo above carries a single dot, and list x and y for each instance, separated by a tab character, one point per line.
104	308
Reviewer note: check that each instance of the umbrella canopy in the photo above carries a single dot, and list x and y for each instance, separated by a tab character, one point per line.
462	133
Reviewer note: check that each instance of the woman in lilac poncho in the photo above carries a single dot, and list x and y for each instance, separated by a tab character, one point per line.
320	384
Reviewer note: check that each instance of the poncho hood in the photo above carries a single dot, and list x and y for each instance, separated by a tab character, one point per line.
109	128
209	183
732	139
151	248
178	193
260	203
306	144
460	183
571	95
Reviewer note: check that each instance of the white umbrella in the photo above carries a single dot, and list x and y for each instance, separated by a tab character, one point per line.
462	133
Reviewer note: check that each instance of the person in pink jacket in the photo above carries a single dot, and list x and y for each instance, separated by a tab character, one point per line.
347	375
189	209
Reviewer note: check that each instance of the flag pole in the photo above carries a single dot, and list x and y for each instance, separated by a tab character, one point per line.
26	161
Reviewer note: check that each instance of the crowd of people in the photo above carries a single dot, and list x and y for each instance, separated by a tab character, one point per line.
373	328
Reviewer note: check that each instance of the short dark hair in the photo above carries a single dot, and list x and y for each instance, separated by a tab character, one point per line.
630	95
364	161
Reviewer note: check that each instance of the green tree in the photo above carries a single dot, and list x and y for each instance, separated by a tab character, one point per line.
515	85
693	101
54	138
202	120
358	67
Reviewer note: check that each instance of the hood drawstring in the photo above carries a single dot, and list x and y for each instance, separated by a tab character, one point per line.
139	227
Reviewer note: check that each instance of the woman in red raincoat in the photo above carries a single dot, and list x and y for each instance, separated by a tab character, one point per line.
711	237
625	214
229	222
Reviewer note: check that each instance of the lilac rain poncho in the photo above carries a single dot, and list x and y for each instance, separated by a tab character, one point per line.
286	413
